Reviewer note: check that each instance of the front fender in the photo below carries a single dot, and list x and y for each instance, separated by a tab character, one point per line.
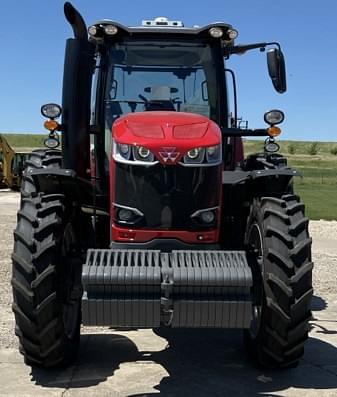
62	181
261	182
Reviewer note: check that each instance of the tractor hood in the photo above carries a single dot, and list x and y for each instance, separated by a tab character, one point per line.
168	135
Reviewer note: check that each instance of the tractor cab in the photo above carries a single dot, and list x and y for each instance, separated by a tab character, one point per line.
173	72
159	66
160	129
163	83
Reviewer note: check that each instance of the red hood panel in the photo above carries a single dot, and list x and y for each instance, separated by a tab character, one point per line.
190	131
138	129
159	131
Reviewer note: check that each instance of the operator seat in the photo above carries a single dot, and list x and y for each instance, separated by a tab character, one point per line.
160	98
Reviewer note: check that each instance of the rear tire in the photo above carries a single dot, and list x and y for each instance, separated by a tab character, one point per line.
278	230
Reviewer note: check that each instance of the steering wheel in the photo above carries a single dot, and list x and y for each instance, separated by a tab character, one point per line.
148	103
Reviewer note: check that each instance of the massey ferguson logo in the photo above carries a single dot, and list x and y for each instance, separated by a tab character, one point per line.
169	154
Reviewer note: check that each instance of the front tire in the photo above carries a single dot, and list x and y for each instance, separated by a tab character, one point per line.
46	277
278	230
39	158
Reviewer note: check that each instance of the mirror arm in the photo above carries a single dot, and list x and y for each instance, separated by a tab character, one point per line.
241	49
237	132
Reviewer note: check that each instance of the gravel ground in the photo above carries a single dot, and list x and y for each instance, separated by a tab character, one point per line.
324	229
7	337
324	234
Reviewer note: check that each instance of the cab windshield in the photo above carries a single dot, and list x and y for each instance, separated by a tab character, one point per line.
160	75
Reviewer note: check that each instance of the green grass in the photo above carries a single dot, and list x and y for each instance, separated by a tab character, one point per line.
319	199
29	141
317	188
299	147
318	185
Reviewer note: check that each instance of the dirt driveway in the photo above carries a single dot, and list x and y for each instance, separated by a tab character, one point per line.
140	363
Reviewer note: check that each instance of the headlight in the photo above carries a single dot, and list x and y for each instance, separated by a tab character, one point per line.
141	153
207	217
194	153
195	156
274	117
213	154
125	215
51	110
130	154
210	155
124	150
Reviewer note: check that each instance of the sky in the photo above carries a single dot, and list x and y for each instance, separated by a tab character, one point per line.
33	34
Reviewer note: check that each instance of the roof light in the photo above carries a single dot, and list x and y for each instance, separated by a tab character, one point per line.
216	32
232	33
110	30
92	30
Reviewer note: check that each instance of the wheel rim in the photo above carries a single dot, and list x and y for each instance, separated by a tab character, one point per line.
256	244
71	283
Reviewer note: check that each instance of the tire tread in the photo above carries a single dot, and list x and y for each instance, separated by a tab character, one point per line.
287	281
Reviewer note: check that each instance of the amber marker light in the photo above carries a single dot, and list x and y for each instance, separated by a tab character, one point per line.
274	131
51	125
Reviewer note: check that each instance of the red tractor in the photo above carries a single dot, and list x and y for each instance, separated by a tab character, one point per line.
150	216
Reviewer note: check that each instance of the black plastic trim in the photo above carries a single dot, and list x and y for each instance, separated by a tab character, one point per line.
238	176
164	245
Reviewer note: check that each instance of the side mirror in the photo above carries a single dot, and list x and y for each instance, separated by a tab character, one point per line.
277	69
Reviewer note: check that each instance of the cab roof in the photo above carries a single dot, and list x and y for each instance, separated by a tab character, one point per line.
163	29
176	28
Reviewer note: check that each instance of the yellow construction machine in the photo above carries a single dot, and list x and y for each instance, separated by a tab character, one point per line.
11	165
